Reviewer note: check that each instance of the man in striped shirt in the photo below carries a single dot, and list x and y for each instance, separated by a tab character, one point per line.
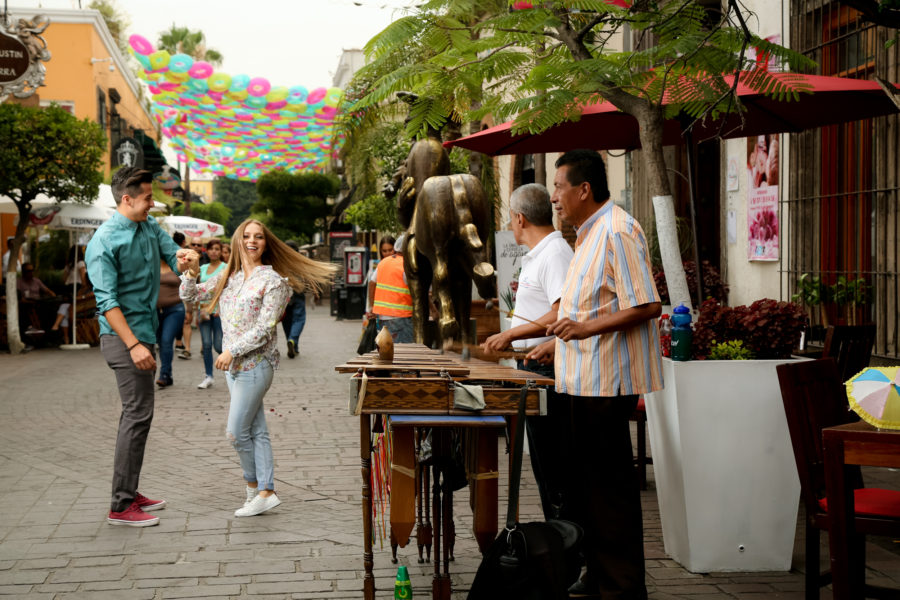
606	353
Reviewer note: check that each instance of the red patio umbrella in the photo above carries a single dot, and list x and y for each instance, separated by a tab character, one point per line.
602	126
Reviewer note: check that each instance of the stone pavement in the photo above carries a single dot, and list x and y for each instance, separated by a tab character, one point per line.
59	417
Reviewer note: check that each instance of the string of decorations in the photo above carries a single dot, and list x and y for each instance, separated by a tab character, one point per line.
233	125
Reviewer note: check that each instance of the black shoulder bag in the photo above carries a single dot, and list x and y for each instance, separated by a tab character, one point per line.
528	561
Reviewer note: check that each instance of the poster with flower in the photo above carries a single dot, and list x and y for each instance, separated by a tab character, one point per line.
509	264
762	198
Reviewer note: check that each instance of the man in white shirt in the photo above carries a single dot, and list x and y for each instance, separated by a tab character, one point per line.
541	283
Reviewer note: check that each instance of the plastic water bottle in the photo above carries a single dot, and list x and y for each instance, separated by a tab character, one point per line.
665	335
681	333
402	587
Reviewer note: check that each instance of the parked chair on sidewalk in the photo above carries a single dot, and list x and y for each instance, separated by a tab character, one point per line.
814	398
850	346
639	416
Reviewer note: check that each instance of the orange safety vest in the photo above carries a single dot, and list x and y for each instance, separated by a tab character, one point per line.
392	297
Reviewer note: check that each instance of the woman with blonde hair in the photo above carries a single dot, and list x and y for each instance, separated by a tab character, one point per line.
252	292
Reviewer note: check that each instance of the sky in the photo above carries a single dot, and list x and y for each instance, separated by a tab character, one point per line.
289	42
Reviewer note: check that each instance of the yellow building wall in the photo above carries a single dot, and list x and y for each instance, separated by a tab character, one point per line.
72	80
203	188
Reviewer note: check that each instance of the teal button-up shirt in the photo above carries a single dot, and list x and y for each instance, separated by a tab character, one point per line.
123	264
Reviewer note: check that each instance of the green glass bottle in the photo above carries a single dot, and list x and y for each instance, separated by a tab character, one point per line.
402	587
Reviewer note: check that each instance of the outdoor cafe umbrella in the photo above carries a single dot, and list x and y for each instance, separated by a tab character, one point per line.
873	395
827	101
75	218
191	226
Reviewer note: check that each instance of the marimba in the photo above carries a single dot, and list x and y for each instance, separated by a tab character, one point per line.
420	385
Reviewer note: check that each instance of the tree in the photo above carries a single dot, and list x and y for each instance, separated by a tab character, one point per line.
541	65
239	196
181	40
45	151
116	22
293	206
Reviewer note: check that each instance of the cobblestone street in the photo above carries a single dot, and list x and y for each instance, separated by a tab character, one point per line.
60	411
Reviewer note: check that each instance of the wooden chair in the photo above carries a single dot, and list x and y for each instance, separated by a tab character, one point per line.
850	346
641	460
814	398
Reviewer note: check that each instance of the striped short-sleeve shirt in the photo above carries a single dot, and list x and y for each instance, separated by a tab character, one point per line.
609	272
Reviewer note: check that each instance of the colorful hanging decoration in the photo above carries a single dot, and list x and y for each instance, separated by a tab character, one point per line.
234	125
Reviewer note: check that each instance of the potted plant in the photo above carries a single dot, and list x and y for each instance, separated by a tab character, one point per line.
725	473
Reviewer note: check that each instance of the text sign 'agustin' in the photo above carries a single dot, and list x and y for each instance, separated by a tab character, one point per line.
14	58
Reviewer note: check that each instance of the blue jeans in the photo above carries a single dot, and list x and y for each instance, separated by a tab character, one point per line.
400	328
211	334
247	423
171	320
294	319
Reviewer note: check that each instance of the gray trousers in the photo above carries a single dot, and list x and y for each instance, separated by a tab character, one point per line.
136	390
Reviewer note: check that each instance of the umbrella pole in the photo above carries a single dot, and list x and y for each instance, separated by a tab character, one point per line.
692	184
74	345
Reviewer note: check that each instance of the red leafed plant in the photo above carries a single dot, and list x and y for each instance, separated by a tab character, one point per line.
713	286
769	328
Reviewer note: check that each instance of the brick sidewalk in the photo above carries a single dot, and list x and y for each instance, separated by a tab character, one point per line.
60	412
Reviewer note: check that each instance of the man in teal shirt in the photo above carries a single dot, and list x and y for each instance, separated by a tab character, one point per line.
123	263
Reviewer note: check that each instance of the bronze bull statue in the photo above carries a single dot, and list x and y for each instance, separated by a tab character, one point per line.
447	222
445	249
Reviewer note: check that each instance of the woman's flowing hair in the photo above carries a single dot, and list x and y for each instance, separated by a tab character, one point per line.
301	272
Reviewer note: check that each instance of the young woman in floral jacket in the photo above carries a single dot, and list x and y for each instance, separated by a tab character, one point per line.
252	292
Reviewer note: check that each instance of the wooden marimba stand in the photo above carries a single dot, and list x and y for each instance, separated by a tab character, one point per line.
418	387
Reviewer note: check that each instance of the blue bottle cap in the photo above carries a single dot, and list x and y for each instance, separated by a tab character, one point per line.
681	309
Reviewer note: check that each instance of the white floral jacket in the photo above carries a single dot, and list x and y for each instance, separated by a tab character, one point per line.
250	310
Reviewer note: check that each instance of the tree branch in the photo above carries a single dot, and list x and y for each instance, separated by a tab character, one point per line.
479	60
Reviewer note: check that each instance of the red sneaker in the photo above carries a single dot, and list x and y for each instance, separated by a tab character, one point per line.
146	504
132	516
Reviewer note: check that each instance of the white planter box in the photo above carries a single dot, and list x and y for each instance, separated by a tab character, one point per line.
724	466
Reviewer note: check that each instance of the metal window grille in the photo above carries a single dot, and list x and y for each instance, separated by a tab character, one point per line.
841	209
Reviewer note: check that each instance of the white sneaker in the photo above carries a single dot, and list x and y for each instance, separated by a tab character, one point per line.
251	494
207	382
258	506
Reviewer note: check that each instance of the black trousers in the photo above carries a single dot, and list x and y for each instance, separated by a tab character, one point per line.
548	446
603	494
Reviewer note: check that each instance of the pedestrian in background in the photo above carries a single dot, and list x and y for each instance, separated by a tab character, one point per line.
179	239
208	321
294	315
123	264
252	292
171	318
392	303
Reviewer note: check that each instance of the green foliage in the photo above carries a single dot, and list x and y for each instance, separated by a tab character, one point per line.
214	211
239	196
475	57
47	150
374	212
181	40
849	291
294	206
733	350
116	21
811	290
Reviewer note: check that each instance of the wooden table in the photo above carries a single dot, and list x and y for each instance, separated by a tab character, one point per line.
420	381
852	444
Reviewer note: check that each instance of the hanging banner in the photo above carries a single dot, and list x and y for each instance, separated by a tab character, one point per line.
762	198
